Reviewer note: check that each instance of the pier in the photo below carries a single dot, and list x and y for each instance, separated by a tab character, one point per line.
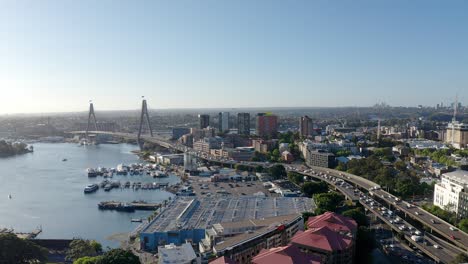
23	235
128	207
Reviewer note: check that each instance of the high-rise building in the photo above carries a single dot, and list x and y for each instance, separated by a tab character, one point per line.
243	123
451	193
204	121
267	124
457	135
305	126
223	121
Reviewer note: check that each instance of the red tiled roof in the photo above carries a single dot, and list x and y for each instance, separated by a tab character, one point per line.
285	255
323	238
223	260
334	221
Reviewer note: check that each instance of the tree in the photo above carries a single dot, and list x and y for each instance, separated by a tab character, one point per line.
463	225
311	188
83	248
327	202
119	256
295	177
357	215
17	250
259	168
277	171
89	260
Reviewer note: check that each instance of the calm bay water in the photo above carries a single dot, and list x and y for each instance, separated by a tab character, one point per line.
48	192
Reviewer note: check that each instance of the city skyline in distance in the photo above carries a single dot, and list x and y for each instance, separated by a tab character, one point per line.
231	55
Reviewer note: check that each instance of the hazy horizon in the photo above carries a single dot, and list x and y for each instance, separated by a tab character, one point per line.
57	55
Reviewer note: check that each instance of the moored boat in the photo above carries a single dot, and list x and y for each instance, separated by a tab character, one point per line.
91	188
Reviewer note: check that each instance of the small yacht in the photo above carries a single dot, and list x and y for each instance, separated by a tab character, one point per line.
91	172
91	188
9	196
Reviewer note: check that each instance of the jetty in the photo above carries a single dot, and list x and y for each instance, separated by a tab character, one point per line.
23	235
128	207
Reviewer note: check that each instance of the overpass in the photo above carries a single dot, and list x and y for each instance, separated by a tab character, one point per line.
439	226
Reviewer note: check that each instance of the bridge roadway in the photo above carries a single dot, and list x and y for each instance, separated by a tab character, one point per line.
439	226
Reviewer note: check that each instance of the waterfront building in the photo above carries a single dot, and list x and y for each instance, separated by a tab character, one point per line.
188	218
267	125
170	159
204	121
208	143
305	126
451	193
243	123
457	135
223	122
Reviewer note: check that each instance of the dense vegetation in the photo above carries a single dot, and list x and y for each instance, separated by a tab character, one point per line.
83	248
10	149
18	251
398	179
114	256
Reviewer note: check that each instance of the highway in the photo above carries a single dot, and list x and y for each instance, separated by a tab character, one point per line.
439	226
436	248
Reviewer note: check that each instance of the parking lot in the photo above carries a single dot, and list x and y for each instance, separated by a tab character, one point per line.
202	186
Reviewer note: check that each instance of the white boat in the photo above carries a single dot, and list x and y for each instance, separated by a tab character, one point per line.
91	188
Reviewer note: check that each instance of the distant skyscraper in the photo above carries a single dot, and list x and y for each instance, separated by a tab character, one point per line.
243	123
267	124
305	126
223	121
204	121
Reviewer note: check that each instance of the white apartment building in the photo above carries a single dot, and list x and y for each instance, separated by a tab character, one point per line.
452	192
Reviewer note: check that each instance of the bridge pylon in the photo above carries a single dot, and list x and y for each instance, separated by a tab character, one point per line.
91	114
144	116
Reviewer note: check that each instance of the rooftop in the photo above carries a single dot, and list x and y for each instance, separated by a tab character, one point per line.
285	255
333	221
255	227
176	254
203	212
323	238
223	260
458	176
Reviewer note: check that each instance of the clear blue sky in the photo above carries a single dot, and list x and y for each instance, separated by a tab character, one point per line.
56	55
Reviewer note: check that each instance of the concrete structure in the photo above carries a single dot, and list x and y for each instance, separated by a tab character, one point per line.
178	132
208	143
267	125
143	114
263	146
170	159
457	135
305	126
187	218
243	123
172	254
452	193
320	158
238	154
242	240
204	121
223	121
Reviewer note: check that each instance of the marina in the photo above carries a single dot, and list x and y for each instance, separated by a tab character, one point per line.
41	190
